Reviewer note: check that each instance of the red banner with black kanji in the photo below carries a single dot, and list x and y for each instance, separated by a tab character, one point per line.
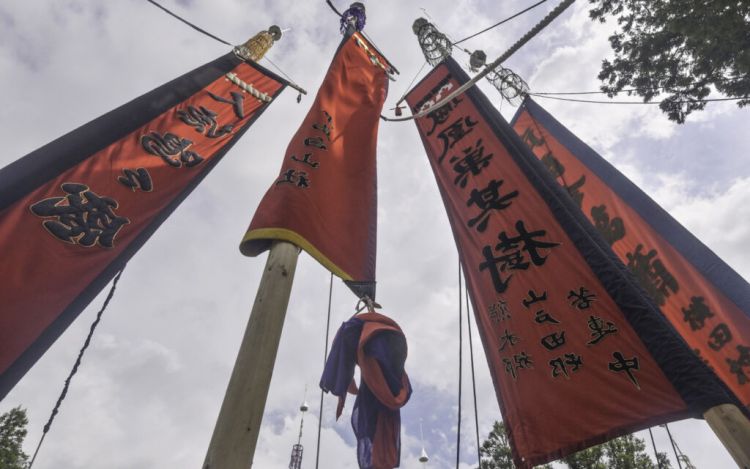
74	211
706	301
577	353
325	197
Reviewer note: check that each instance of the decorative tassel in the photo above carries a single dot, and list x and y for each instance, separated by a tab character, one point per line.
353	17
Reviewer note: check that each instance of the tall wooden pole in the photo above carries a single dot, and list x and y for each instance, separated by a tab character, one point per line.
733	429
236	433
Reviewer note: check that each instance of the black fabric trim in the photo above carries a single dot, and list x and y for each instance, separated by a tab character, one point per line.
699	387
24	362
700	256
44	164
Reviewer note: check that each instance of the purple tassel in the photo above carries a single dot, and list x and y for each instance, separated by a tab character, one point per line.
354	16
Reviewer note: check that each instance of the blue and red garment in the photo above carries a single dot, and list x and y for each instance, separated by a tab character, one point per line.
377	344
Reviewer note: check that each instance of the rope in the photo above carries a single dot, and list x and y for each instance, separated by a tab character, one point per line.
325	355
292	84
512	50
656	453
460	363
64	392
674	448
500	22
197	28
473	377
333	8
537	95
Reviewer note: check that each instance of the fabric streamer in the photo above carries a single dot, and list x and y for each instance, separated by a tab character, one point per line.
377	344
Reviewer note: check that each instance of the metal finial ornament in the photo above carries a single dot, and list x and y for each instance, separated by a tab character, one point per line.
477	60
511	86
435	45
423	458
257	46
353	17
296	460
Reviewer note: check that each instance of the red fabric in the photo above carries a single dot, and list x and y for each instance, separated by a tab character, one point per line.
725	315
547	415
41	274
333	213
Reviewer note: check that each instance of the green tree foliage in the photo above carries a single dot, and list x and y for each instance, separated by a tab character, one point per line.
682	48
12	432
625	452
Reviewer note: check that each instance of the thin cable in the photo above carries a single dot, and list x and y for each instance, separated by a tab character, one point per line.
557	11
408	88
64	392
333	8
537	95
460	363
500	22
563	93
292	84
197	28
325	355
671	440
473	377
656	453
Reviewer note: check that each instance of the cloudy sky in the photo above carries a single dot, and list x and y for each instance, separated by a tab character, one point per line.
150	387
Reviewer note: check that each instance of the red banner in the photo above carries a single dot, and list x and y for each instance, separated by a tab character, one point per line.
73	212
325	198
577	355
703	298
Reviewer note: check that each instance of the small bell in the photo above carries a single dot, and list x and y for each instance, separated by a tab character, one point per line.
423	458
304	407
398	111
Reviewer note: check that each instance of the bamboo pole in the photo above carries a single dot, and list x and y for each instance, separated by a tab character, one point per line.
733	429
236	432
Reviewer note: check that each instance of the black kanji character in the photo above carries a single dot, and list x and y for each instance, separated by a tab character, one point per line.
472	162
306	159
627	365
499	311
488	199
611	230
738	367
599	330
574	190
440	116
510	367
327	127
554	340
316	142
138	179
553	165
237	102
513	258
533	298
582	299
171	148
719	337
530	139
696	313
203	120
542	316
508	338
560	364
294	177
83	217
530	245
652	275
523	360
455	133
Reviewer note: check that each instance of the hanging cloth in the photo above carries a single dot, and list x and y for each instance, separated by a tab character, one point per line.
377	344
